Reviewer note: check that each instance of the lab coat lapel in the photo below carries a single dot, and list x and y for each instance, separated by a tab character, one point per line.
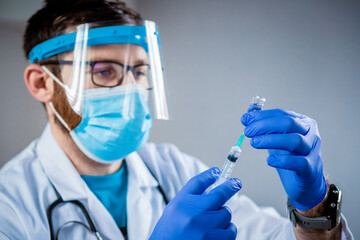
141	186
70	185
103	219
59	169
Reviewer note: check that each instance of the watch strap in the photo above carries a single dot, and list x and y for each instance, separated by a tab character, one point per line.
331	214
314	223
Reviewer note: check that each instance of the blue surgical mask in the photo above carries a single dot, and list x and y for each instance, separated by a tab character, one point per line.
115	122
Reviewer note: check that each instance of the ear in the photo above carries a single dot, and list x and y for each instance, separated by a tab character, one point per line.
39	83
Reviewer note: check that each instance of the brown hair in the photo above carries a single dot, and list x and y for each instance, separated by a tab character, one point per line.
56	15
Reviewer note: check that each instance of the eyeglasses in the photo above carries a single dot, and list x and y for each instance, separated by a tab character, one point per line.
110	73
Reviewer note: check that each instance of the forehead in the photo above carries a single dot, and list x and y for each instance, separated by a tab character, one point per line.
124	53
117	52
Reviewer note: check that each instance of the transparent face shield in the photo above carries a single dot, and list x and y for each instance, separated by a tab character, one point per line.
106	59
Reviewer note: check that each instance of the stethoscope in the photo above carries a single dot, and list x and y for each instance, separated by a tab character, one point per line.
91	226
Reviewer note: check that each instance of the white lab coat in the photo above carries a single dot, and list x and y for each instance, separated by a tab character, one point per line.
27	189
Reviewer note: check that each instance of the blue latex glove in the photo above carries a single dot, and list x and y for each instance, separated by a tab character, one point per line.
294	147
194	214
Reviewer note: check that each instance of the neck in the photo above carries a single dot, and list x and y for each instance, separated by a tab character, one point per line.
83	164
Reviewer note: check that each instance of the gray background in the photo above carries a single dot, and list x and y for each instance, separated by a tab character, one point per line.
301	55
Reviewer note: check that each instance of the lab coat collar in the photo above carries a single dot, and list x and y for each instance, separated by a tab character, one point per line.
140	208
59	169
139	172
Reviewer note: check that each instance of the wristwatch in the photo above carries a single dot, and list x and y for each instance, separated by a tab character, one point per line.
330	217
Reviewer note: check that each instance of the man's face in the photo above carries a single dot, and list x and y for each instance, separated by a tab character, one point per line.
105	64
108	66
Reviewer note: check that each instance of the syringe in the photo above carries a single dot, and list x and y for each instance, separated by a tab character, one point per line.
229	163
256	103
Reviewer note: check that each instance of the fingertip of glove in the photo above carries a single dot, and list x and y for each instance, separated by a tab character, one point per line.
215	171
246	118
271	160
228	209
255	141
237	184
232	227
248	131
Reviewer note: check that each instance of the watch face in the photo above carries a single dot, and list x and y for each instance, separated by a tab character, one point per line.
333	205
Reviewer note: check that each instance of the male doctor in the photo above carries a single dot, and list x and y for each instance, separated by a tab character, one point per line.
96	67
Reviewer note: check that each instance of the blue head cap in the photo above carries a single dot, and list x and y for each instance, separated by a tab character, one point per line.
122	34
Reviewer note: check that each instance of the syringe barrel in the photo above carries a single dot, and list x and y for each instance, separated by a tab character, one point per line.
225	173
227	169
229	163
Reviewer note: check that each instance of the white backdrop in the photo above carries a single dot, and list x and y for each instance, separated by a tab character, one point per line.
302	56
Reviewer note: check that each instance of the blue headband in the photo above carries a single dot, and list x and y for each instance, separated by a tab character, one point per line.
122	34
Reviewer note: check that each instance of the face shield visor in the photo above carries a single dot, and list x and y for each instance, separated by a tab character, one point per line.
108	55
112	78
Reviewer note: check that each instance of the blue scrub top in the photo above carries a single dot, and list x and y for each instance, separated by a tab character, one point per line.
111	190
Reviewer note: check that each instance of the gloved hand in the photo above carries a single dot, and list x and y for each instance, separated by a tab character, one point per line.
194	214
294	147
